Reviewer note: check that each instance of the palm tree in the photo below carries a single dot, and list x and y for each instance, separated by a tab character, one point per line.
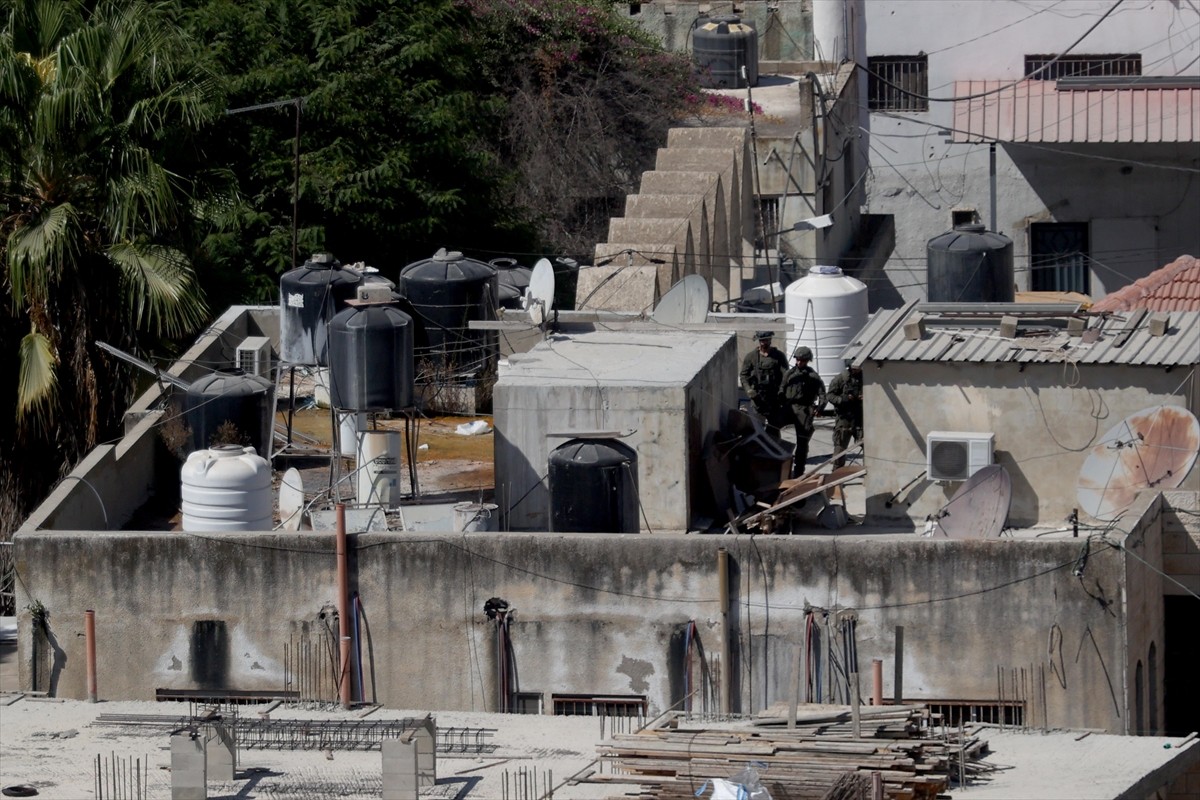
96	117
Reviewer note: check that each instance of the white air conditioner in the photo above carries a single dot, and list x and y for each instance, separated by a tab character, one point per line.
254	356
956	455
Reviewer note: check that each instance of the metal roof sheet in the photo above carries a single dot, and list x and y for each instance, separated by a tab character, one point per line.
1039	111
951	337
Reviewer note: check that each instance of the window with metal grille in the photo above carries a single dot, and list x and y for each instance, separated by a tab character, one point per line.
1058	257
766	221
898	83
956	712
1072	66
599	705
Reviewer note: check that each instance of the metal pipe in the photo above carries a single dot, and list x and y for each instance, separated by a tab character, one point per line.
89	638
723	594
343	600
992	182
855	712
898	688
877	682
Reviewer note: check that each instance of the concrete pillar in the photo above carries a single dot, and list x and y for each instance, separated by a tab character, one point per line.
189	767
425	738
220	752
400	760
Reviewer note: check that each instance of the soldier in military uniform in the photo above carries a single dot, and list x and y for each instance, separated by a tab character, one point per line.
761	375
802	392
845	395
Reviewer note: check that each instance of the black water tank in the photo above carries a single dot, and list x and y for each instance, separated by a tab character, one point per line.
512	280
230	407
593	487
309	296
970	265
721	47
446	293
371	359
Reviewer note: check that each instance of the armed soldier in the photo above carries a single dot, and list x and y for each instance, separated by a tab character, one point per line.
845	395
803	392
761	375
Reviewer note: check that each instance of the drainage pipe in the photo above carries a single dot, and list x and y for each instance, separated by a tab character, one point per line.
723	589
877	682
343	601
89	638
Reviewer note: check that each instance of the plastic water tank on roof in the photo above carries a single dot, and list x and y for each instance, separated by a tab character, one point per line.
226	488
309	296
230	404
371	359
446	293
826	308
970	265
721	47
593	487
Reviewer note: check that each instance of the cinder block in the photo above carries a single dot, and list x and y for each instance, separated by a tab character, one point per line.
914	327
1158	324
400	770
189	767
221	753
425	738
1008	327
1075	326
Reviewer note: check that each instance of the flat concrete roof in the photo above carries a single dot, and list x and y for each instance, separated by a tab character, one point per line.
614	359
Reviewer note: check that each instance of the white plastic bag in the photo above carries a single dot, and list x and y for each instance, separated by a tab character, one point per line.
475	428
742	785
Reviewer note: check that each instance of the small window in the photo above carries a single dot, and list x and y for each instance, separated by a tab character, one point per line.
1058	257
963	216
527	703
599	705
963	712
1081	66
898	83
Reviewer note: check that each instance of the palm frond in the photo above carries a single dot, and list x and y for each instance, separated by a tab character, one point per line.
39	250
159	287
37	381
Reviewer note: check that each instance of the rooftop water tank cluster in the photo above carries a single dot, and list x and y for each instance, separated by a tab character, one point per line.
446	293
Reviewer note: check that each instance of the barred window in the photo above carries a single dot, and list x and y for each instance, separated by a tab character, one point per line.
1083	66
898	83
593	705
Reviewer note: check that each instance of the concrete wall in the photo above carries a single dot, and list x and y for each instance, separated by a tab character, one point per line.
1045	417
672	390
1181	542
1145	632
594	614
1140	206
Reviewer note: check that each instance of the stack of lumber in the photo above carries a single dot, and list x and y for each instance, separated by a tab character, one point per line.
671	763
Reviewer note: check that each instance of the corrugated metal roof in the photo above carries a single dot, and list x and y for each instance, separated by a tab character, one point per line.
967	336
1037	111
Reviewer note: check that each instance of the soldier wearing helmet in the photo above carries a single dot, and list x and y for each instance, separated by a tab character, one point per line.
802	392
761	375
845	395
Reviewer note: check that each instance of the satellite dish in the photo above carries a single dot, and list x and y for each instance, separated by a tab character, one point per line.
291	500
1154	448
686	302
539	297
979	509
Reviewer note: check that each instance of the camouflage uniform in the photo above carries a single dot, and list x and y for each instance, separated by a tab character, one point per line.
845	395
761	376
802	392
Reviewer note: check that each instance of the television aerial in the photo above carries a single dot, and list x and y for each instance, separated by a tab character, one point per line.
1152	449
979	509
539	297
684	303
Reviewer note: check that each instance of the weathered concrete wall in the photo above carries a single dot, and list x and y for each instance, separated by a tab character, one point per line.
1145	632
1181	542
594	613
1045	417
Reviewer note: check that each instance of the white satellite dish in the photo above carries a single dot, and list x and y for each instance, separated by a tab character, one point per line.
686	302
291	500
539	297
979	509
1154	448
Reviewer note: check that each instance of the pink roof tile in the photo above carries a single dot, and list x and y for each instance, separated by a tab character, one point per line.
1175	287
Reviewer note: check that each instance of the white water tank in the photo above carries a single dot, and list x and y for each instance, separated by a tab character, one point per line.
378	463
826	309
226	488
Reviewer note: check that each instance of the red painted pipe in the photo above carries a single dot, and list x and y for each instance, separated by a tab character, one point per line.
877	682
89	638
343	600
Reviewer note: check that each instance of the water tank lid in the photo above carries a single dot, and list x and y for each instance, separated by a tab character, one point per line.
229	450
970	227
230	382
443	255
824	269
322	261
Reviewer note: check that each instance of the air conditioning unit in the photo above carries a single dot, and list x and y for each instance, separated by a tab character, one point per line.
955	455
254	356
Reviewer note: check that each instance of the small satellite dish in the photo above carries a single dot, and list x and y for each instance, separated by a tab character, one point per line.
291	500
686	302
979	509
1154	448
539	297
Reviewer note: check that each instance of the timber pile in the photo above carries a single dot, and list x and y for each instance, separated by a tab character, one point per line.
804	763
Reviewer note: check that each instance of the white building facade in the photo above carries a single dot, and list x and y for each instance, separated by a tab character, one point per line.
1071	127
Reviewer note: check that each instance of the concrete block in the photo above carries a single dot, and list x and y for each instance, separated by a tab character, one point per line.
617	288
914	327
736	139
425	738
400	770
1008	327
220	752
727	219
1158	324
711	184
678	232
1075	326
694	208
189	767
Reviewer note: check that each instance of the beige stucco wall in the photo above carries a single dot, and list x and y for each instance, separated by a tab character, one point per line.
1045	417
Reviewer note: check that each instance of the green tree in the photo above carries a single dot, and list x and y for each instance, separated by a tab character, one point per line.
99	103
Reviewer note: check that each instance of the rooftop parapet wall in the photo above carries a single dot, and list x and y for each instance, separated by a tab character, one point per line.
597	613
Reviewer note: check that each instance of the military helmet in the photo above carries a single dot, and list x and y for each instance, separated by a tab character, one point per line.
802	352
760	335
